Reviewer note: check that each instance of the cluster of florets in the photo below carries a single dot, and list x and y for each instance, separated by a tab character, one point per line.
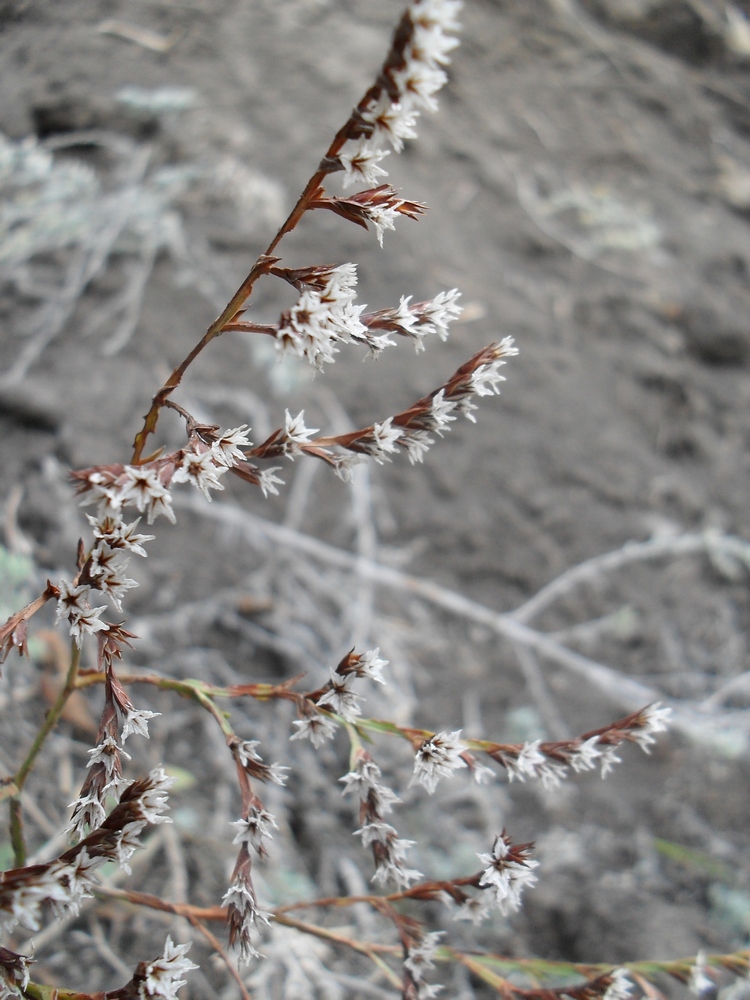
337	696
411	77
253	829
418	960
326	314
508	873
551	761
376	800
244	916
412	429
438	757
162	978
65	881
147	488
14	974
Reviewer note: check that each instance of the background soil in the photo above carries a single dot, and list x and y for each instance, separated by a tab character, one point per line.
588	178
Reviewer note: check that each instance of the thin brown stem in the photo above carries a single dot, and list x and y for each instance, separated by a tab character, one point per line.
351	129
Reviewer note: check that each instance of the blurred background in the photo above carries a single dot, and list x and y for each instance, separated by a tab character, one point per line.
588	177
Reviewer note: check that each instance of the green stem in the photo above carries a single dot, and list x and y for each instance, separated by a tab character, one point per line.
16	832
19	779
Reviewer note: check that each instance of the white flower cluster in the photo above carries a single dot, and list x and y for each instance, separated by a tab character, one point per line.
64	882
600	750
417	321
14	974
88	808
326	315
245	915
162	978
621	987
438	758
376	801
147	489
316	728
338	696
418	959
61	885
413	428
253	763
412	87
323	316
508	873
255	828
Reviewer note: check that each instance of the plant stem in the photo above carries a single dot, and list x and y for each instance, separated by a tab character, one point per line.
19	779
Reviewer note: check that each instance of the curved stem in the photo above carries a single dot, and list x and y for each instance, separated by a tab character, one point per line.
19	779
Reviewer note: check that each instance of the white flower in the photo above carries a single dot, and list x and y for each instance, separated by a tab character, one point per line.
361	164
296	434
406	319
370	665
393	122
127	843
527	763
380	832
162	977
200	468
440	412
391	871
442	310
608	758
417	444
700	983
227	448
476	909
365	782
482	774
136	721
268	481
620	988
14	975
417	83
505	876
247	753
343	466
111	529
383	217
585	757
436	13
342	281
255	828
71	599
107	570
144	490
485	380
419	957
87	622
240	897
317	728
277	774
655	720
153	800
386	436
341	699
108	753
88	812
437	758
431	46
319	319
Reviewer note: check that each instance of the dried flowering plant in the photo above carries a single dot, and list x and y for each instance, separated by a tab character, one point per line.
111	812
